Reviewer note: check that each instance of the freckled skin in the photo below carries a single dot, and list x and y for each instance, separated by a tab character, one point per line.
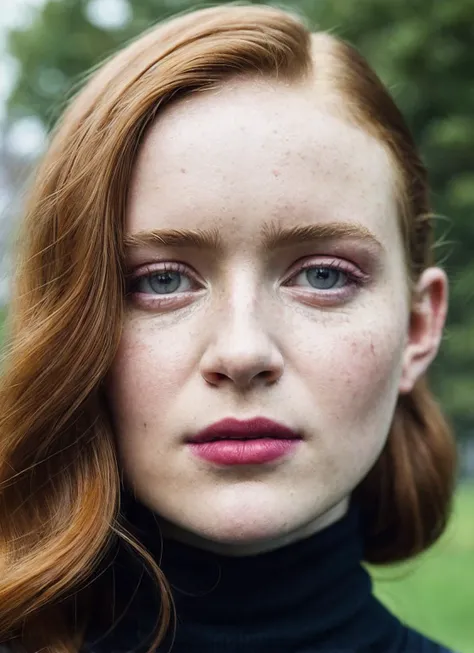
233	160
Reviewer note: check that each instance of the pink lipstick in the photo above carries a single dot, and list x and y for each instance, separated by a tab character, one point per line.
250	442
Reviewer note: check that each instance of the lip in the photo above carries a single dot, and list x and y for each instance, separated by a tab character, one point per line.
232	429
251	442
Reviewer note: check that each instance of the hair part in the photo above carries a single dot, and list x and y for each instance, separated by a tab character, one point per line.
60	484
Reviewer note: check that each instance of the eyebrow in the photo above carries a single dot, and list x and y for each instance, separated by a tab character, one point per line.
198	238
273	235
276	236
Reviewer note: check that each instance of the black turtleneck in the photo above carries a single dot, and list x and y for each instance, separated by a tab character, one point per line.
310	596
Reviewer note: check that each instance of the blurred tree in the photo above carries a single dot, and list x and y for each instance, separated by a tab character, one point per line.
422	49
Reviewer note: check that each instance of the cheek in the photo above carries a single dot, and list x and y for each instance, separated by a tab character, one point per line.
353	386
355	373
374	360
147	370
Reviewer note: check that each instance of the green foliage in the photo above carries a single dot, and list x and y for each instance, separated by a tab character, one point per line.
422	49
417	591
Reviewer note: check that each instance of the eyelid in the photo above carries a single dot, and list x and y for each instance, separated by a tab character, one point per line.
332	263
150	269
156	268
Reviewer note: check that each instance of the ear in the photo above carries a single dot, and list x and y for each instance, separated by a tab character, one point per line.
426	325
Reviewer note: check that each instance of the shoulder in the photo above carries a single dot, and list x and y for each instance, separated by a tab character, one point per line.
417	642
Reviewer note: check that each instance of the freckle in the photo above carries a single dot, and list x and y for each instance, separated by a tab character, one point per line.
183	170
144	425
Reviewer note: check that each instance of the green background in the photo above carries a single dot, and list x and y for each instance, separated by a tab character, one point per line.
434	593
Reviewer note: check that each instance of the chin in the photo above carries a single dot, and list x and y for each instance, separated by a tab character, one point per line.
245	533
258	526
242	533
246	521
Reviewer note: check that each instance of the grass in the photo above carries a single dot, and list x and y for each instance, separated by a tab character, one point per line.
435	592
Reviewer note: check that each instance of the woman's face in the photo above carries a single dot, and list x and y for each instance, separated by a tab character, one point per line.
296	310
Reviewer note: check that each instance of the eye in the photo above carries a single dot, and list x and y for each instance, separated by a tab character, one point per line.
322	277
162	282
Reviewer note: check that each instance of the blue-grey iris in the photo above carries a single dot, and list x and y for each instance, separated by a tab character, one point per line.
164	282
323	278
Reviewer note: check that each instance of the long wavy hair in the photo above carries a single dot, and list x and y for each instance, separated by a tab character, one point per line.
61	500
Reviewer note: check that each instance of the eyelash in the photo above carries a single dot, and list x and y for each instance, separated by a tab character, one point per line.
354	279
148	272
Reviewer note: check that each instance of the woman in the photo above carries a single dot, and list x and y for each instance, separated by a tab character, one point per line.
214	405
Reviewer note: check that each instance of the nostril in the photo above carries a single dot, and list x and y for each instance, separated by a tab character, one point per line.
215	378
244	368
270	376
218	378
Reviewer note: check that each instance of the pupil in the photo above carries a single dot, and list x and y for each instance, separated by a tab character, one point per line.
165	282
322	278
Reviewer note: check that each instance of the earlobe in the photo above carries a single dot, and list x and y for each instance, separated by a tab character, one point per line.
426	325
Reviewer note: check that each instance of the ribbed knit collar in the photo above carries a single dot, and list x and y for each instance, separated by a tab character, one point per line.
310	596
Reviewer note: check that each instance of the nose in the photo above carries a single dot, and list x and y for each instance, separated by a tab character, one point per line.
241	352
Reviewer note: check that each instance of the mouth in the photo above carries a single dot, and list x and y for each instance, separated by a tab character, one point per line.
257	442
259	428
242	439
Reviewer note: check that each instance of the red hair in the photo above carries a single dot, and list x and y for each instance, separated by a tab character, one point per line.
60	488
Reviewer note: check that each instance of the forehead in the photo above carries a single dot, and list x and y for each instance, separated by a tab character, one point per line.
252	151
